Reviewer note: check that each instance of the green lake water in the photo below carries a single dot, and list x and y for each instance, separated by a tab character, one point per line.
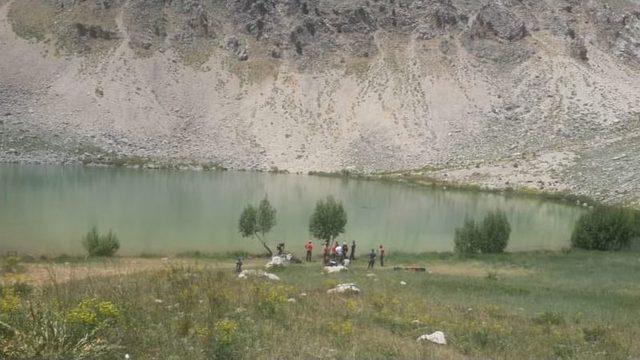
47	209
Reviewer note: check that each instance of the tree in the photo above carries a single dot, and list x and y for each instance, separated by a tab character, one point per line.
328	219
495	231
257	222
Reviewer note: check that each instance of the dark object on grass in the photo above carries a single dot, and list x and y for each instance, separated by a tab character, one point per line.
410	268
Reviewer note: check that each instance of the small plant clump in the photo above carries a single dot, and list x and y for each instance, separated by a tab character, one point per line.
100	245
604	229
491	236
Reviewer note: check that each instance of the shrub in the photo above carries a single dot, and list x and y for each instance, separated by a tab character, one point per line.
495	231
467	238
100	245
490	236
604	228
11	265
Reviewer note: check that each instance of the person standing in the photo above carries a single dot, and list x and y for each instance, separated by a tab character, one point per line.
340	254
381	256
309	247
325	253
239	263
345	250
334	251
372	259
352	256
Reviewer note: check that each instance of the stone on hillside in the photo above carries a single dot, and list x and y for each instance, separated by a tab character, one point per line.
334	269
258	273
344	289
437	337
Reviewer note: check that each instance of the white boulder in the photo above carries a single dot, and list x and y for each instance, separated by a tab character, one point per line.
334	269
437	337
277	261
258	273
344	289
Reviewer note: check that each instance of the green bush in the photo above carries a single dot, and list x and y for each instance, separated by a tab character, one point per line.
495	231
604	228
488	237
100	245
467	238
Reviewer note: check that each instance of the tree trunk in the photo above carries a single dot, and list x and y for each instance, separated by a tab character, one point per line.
266	247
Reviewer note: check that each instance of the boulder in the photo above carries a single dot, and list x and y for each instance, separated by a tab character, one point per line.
437	337
258	273
344	289
334	269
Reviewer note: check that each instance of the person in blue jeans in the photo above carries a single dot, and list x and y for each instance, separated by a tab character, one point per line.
372	259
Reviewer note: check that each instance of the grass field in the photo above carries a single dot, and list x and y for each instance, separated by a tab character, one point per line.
565	305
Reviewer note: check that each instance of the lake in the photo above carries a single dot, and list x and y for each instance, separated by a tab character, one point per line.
47	210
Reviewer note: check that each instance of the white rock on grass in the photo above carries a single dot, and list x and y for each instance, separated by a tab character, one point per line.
371	275
277	261
437	337
259	273
334	269
344	289
403	283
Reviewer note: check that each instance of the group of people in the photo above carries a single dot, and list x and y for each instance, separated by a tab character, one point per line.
340	252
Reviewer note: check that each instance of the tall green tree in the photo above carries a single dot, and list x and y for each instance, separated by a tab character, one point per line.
257	222
328	219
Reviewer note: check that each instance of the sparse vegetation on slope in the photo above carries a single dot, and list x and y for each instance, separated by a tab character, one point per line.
574	305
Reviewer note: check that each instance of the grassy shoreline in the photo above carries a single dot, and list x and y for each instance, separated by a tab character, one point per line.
535	305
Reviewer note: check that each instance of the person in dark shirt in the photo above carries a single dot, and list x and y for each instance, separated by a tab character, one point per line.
352	256
381	255
239	265
372	259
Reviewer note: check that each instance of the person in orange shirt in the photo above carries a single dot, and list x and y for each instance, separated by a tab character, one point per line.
309	247
381	250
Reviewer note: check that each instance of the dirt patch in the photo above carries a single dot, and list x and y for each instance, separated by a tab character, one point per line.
476	269
49	273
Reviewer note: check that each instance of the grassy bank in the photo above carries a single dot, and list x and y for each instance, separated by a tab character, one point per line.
580	305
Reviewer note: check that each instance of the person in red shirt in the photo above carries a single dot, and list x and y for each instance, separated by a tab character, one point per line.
381	250
309	247
334	250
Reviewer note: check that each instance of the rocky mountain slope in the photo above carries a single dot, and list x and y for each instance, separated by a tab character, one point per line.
541	94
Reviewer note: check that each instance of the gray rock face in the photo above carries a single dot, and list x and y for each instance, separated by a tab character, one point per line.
498	93
628	44
498	20
239	50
